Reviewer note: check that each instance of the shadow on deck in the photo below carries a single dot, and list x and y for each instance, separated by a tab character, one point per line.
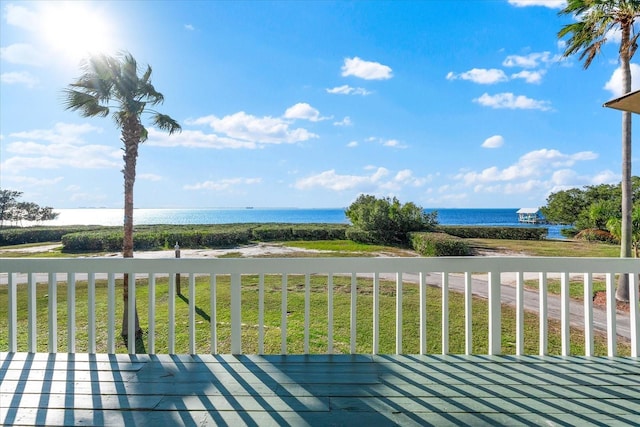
100	389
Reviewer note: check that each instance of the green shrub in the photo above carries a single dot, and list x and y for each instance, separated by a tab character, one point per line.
487	232
596	235
438	244
387	221
21	235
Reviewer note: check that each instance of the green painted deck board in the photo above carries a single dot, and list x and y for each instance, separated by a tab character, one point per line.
80	389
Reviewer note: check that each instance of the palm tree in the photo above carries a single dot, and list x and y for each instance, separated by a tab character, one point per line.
596	20
111	84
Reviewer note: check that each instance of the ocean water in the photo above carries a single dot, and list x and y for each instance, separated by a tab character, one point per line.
503	217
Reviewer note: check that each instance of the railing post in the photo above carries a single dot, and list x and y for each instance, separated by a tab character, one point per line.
307	312
152	313
111	316
520	313
423	312
32	314
236	314
171	299
612	340
53	313
71	312
634	316
398	313
178	288
131	327
495	312
330	313
445	313
376	313
192	313
352	320
91	326
543	314
13	312
213	300
283	315
468	313
565	329
588	315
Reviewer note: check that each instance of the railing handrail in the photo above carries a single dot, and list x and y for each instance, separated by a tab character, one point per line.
320	265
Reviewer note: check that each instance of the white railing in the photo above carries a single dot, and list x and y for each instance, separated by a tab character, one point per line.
471	274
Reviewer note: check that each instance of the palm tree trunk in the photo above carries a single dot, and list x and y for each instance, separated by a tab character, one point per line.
131	139
622	290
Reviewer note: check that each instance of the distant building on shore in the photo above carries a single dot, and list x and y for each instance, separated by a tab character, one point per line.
530	216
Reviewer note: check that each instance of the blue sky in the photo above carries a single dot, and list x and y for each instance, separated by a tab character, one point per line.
448	104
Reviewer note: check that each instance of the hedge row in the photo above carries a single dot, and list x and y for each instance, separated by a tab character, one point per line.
22	235
510	233
215	236
438	244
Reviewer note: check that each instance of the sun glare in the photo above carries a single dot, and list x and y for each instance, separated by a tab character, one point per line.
73	31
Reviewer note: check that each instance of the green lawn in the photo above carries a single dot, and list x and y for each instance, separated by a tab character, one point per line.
295	320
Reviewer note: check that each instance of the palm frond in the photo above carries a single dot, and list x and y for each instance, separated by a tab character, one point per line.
166	123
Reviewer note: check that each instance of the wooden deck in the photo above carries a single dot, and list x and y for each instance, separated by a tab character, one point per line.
200	390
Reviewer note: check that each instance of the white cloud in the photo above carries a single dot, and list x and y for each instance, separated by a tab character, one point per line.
534	77
303	111
241	130
22	77
531	165
149	177
511	101
31	181
367	70
344	122
61	133
332	181
531	60
20	16
189	27
352	144
223	184
614	85
495	141
480	76
552	4
195	139
394	143
63	146
21	53
348	90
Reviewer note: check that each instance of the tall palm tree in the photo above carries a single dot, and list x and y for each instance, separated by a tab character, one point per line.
596	19
111	84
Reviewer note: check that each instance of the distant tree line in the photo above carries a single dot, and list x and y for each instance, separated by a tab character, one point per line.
595	212
15	212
